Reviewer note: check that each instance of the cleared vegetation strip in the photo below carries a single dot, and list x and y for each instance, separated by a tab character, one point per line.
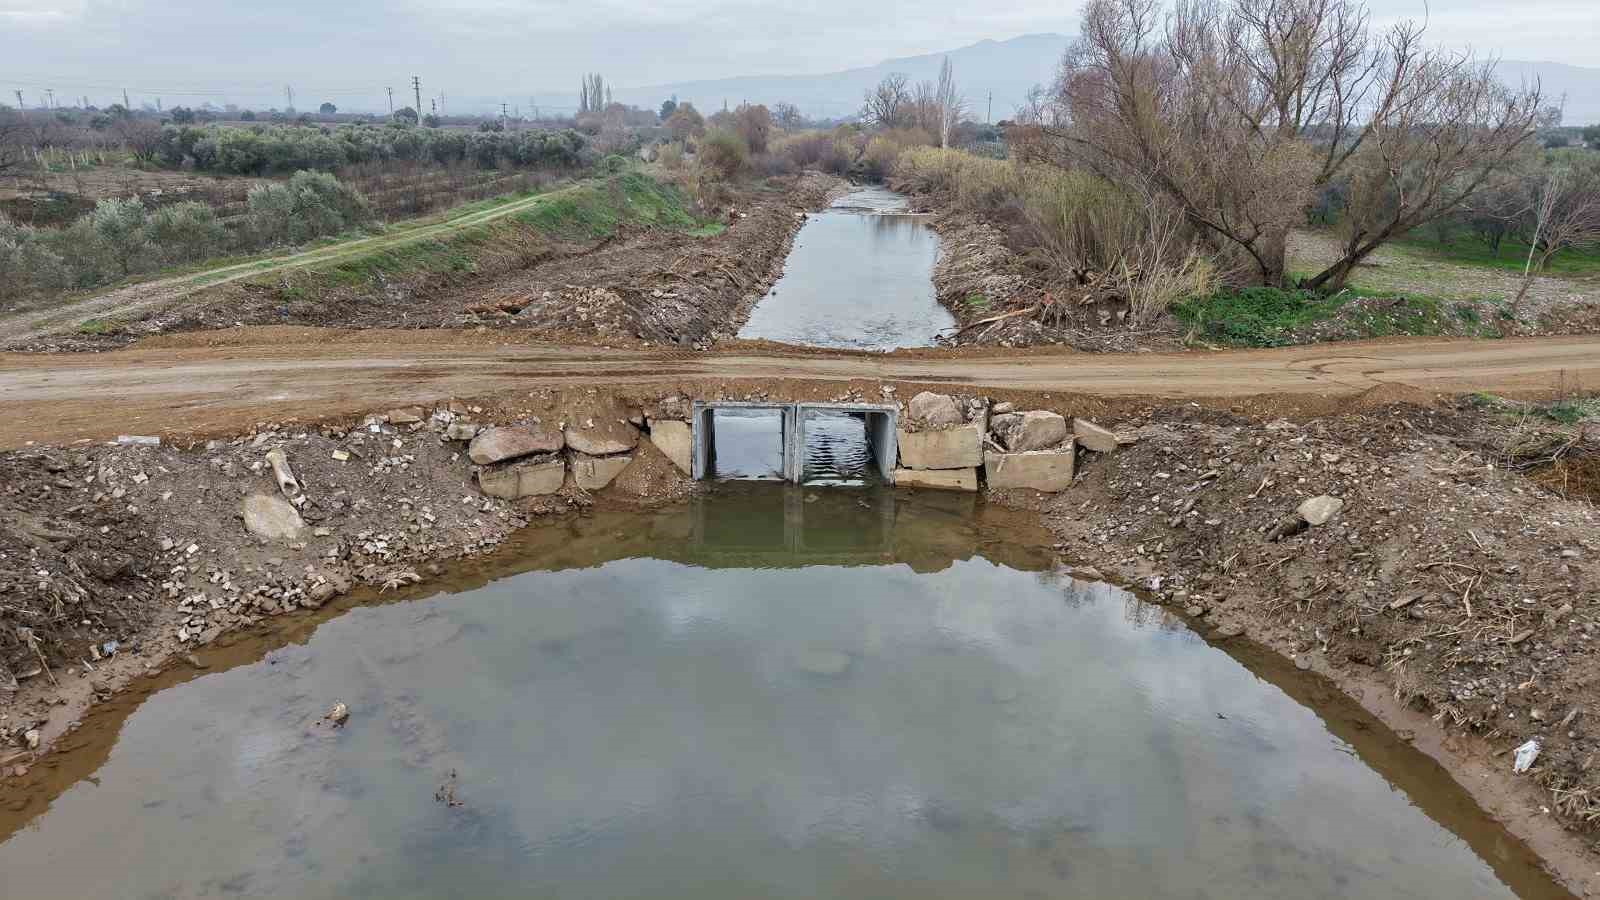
135	297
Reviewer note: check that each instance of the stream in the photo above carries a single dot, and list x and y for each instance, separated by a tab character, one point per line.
860	277
769	691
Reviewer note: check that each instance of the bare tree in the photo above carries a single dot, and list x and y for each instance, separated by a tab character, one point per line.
1566	216
949	101
13	128
889	104
787	116
1240	111
925	107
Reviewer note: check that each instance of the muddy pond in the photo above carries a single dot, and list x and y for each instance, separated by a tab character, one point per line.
860	277
770	691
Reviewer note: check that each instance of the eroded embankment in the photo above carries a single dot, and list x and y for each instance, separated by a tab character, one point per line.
624	259
1450	596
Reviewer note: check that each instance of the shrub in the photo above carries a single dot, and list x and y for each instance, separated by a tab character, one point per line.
27	264
670	155
185	232
119	227
754	124
309	205
723	152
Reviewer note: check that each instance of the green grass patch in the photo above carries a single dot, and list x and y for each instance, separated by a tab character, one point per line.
976	302
1512	257
1256	316
597	209
708	230
97	327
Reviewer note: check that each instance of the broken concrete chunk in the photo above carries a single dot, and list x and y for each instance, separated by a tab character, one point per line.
1092	437
287	483
953	448
272	518
1320	510
461	431
1041	470
595	472
604	439
410	415
940	479
139	440
1033	430
500	444
674	440
524	479
929	408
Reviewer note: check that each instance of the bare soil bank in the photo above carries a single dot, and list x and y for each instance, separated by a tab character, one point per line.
1453	598
638	286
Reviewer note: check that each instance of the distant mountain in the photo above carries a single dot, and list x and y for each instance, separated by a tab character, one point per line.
1006	69
1580	85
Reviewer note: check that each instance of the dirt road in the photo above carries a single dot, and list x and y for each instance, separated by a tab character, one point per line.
19	329
274	373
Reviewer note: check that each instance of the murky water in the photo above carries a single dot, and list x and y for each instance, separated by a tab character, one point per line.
837	450
859	277
772	692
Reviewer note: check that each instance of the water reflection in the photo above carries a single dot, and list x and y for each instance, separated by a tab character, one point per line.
858	277
758	694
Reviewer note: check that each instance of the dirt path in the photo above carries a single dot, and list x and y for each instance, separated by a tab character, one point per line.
250	375
21	328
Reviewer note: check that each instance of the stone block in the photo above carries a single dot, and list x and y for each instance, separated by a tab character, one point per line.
675	441
603	438
1041	470
934	409
524	479
1093	437
1033	430
271	518
939	479
951	448
514	442
595	472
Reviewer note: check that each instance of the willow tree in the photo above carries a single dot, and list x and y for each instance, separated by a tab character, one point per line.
1241	112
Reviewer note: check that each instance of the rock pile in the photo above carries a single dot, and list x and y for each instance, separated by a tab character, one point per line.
943	445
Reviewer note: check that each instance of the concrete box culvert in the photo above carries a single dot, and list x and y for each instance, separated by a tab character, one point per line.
880	422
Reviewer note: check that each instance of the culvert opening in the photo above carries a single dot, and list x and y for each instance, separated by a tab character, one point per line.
746	444
810	443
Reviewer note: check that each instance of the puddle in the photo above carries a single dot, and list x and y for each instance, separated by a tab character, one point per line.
860	277
770	692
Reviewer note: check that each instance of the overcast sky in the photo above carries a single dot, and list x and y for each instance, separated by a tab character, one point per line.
347	50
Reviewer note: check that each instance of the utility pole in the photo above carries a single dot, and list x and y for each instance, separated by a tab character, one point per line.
52	93
20	104
988	117
125	103
288	99
391	101
503	115
416	85
441	104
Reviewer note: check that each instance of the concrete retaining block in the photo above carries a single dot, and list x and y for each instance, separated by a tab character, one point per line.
1041	470
952	448
595	472
941	479
530	479
675	440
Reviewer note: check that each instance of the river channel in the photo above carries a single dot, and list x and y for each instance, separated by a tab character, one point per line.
769	691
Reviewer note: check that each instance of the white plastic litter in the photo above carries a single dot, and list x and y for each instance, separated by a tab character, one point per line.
1526	754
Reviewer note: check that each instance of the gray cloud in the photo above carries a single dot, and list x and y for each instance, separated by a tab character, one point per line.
188	51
